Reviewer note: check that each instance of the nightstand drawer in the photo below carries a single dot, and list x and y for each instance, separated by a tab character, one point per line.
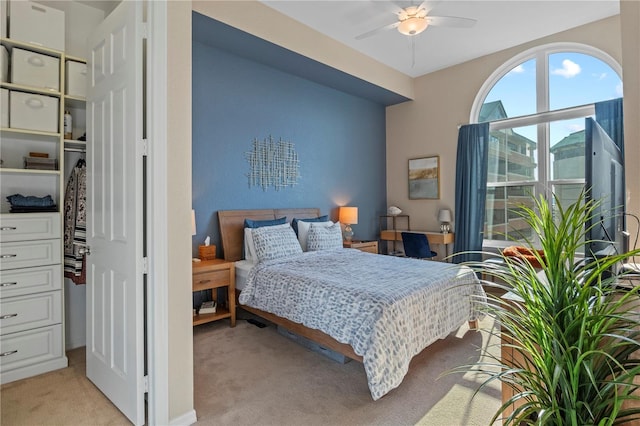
212	279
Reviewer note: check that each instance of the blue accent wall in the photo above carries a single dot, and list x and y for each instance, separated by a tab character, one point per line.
339	138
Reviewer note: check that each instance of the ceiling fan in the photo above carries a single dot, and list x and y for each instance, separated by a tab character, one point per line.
413	20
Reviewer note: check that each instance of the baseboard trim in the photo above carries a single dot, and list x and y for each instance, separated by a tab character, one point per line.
186	419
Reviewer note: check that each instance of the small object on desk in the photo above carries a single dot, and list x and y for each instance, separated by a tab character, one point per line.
394	211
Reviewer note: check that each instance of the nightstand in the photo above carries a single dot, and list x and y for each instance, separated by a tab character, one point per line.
368	246
214	274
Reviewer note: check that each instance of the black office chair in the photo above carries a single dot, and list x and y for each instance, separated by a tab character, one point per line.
417	246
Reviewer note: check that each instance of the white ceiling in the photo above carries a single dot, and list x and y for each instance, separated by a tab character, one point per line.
500	24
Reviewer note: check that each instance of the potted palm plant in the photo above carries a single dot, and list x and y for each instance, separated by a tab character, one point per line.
573	328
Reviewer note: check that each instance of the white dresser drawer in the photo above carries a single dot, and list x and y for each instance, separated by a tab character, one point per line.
30	253
18	282
30	347
33	311
29	226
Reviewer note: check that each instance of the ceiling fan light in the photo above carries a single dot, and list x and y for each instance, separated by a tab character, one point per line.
412	26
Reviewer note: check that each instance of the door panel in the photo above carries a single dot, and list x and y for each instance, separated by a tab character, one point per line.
115	321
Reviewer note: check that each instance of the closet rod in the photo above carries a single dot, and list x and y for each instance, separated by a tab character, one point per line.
75	149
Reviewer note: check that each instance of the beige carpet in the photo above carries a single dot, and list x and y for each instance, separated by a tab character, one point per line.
251	376
271	380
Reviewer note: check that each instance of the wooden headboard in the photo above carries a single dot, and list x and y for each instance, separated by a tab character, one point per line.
232	225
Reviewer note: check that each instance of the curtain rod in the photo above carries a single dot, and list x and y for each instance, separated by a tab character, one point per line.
75	149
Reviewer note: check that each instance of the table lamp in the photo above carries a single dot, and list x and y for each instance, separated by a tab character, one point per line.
444	217
348	216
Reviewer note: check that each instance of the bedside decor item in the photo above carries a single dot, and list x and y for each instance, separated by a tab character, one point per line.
424	178
394	211
348	216
444	217
272	164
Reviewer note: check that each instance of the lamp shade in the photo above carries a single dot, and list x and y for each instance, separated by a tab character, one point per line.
349	215
444	215
413	26
193	222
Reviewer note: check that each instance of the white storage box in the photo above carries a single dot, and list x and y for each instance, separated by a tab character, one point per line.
4	108
4	64
33	112
76	84
35	70
37	24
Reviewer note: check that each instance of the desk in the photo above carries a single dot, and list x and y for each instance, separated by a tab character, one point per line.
435	238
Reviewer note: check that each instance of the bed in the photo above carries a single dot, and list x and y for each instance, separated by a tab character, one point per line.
379	310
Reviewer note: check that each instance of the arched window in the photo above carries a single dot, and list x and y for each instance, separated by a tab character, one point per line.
536	104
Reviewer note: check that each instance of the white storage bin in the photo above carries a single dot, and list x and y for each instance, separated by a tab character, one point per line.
33	112
34	23
76	84
4	108
35	70
4	64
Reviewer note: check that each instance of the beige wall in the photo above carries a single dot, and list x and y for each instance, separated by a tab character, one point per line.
443	101
180	333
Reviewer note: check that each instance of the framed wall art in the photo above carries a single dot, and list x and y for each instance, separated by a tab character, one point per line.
424	178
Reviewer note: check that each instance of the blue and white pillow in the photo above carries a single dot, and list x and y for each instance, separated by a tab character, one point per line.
324	237
303	230
249	248
272	242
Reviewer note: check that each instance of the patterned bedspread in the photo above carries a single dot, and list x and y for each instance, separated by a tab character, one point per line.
387	308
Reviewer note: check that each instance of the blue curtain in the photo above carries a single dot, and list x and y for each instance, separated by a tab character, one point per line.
471	190
609	115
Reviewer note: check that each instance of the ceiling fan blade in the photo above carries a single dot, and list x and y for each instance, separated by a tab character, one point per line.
428	5
451	21
377	30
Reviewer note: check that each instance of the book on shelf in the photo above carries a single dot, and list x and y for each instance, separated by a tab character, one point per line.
208	307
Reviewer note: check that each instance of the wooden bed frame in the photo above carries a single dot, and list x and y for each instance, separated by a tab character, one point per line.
232	233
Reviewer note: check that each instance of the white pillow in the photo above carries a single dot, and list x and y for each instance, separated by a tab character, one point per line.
249	247
324	237
303	230
272	242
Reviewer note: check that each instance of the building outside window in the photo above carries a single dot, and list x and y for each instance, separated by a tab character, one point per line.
536	105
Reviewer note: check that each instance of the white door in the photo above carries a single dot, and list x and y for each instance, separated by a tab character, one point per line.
115	314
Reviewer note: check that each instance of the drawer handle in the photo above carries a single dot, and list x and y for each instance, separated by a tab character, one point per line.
8	316
204	281
8	353
7	256
36	61
8	284
34	103
8	228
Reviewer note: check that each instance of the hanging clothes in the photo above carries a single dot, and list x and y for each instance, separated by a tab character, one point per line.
75	224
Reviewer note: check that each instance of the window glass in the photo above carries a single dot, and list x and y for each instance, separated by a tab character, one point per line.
567	149
513	95
502	220
543	151
579	79
512	155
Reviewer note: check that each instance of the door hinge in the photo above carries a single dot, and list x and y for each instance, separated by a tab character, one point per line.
145	265
145	382
144	147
